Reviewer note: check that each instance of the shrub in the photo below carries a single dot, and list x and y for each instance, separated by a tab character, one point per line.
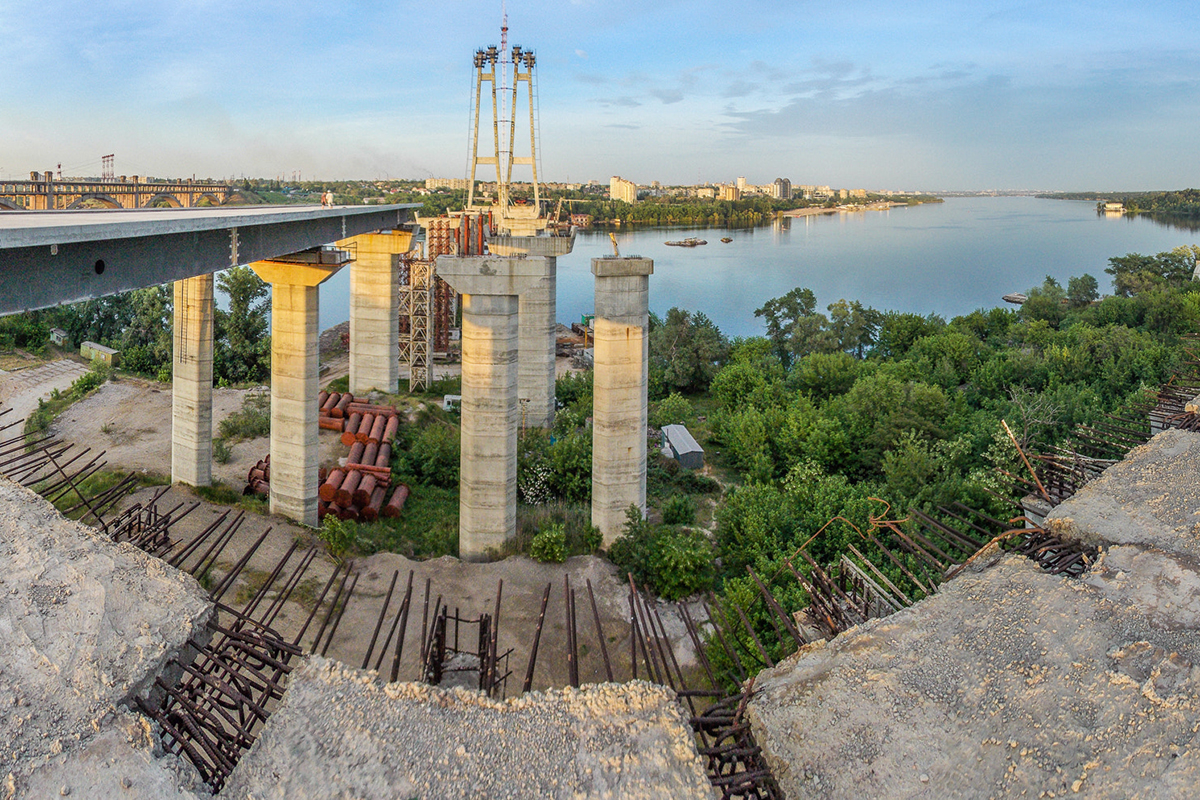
221	452
675	410
338	535
571	463
433	457
550	545
679	510
674	562
252	422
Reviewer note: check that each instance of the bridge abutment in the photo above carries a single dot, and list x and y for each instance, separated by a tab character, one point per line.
621	379
374	306
294	363
191	382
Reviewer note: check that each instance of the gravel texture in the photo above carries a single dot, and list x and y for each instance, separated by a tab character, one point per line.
1009	682
341	733
118	763
85	625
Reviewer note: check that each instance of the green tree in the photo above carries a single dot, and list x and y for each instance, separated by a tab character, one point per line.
687	349
243	347
1082	291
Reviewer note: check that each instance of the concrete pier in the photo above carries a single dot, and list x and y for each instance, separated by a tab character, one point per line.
294	330
621	378
191	382
490	287
537	321
374	305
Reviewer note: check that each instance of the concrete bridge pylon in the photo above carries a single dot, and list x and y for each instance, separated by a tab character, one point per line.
294	354
621	380
491	287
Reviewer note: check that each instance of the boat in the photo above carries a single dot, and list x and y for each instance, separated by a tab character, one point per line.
689	242
726	239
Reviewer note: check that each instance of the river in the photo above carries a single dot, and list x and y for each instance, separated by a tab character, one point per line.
946	258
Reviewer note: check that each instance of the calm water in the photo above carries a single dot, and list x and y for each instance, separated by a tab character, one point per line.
949	258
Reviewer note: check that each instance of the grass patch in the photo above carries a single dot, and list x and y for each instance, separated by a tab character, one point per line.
341	384
426	528
253	580
225	495
576	519
253	421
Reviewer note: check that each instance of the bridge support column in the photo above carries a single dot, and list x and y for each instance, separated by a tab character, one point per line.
490	287
537	327
294	330
621	378
374	306
191	382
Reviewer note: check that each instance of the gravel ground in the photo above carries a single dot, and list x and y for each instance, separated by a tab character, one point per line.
410	740
85	626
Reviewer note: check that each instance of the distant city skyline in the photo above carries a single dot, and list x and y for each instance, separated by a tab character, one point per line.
915	95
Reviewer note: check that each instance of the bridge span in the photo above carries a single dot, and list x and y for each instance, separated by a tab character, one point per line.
53	257
42	192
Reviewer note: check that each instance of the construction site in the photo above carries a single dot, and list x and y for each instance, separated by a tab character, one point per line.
155	644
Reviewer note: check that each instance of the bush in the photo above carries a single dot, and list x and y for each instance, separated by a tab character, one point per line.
337	534
252	422
679	510
434	455
220	451
675	410
571	465
550	545
674	562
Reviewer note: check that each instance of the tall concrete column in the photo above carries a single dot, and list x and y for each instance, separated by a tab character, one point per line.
488	469
294	363
536	331
191	382
374	306
538	322
490	287
619	414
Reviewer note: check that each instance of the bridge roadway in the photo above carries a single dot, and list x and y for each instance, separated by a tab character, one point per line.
53	257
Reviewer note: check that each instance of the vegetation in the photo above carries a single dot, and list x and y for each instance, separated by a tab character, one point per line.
252	421
46	412
550	545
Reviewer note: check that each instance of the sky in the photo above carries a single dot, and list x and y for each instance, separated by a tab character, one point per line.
905	94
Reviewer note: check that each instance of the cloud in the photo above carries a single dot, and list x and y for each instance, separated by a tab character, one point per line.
739	88
582	54
667	96
625	127
624	100
594	80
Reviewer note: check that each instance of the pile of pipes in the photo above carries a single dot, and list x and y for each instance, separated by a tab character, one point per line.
358	490
258	479
356	420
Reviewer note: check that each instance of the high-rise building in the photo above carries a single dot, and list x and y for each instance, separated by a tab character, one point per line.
741	183
621	189
783	188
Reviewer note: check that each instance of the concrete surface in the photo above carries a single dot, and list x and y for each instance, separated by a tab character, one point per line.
340	733
1152	498
85	625
118	763
294	360
374	305
536	350
191	382
621	380
1008	682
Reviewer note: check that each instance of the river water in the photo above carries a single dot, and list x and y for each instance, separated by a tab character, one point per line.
946	258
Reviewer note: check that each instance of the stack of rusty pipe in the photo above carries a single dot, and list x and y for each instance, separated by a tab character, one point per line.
358	490
258	479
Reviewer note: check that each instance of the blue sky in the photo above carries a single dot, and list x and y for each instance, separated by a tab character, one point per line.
903	95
